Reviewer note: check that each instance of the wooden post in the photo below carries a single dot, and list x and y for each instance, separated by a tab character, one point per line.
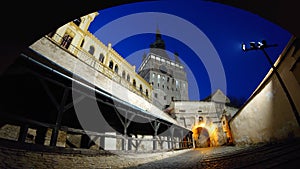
102	142
172	137
155	127
55	130
23	133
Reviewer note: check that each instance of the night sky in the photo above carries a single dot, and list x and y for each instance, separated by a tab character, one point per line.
206	35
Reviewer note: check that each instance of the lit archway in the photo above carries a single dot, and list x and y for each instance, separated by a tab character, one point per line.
201	137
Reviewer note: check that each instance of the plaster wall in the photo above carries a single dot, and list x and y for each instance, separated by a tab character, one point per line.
267	116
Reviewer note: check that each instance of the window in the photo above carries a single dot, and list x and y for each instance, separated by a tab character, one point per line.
101	58
158	78
200	119
134	83
141	88
165	97
111	64
177	84
153	76
123	74
147	94
92	50
128	77
66	41
116	68
155	95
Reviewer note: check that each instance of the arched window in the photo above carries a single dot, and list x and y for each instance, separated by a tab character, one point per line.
128	77
116	68
123	74
147	94
153	76
141	88
66	41
200	119
101	58
134	83
111	64
158	78
92	50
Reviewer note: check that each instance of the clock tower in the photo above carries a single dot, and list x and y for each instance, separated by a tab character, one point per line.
167	76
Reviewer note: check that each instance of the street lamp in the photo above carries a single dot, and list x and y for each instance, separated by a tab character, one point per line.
262	46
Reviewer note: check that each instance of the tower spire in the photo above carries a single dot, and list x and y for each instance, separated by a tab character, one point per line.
158	46
158	34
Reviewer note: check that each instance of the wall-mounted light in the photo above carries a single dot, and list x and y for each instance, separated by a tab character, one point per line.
252	45
256	45
243	46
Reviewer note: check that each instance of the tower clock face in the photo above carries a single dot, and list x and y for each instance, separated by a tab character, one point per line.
163	68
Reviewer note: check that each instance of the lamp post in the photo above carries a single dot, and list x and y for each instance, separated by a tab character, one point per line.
262	46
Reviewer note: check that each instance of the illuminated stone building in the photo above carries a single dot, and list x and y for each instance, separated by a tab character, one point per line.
75	49
167	77
159	84
75	37
207	118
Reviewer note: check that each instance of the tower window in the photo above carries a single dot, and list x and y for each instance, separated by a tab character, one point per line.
134	83
153	76
158	78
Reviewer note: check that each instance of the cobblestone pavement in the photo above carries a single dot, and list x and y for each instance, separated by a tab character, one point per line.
279	155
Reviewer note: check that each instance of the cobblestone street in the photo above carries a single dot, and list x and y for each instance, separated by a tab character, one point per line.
279	155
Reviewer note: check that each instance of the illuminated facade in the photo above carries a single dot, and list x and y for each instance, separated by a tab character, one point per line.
167	77
208	119
75	37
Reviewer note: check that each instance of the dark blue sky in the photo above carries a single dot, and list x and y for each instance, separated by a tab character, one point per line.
211	50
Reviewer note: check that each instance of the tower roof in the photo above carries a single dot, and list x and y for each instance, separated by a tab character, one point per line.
218	96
